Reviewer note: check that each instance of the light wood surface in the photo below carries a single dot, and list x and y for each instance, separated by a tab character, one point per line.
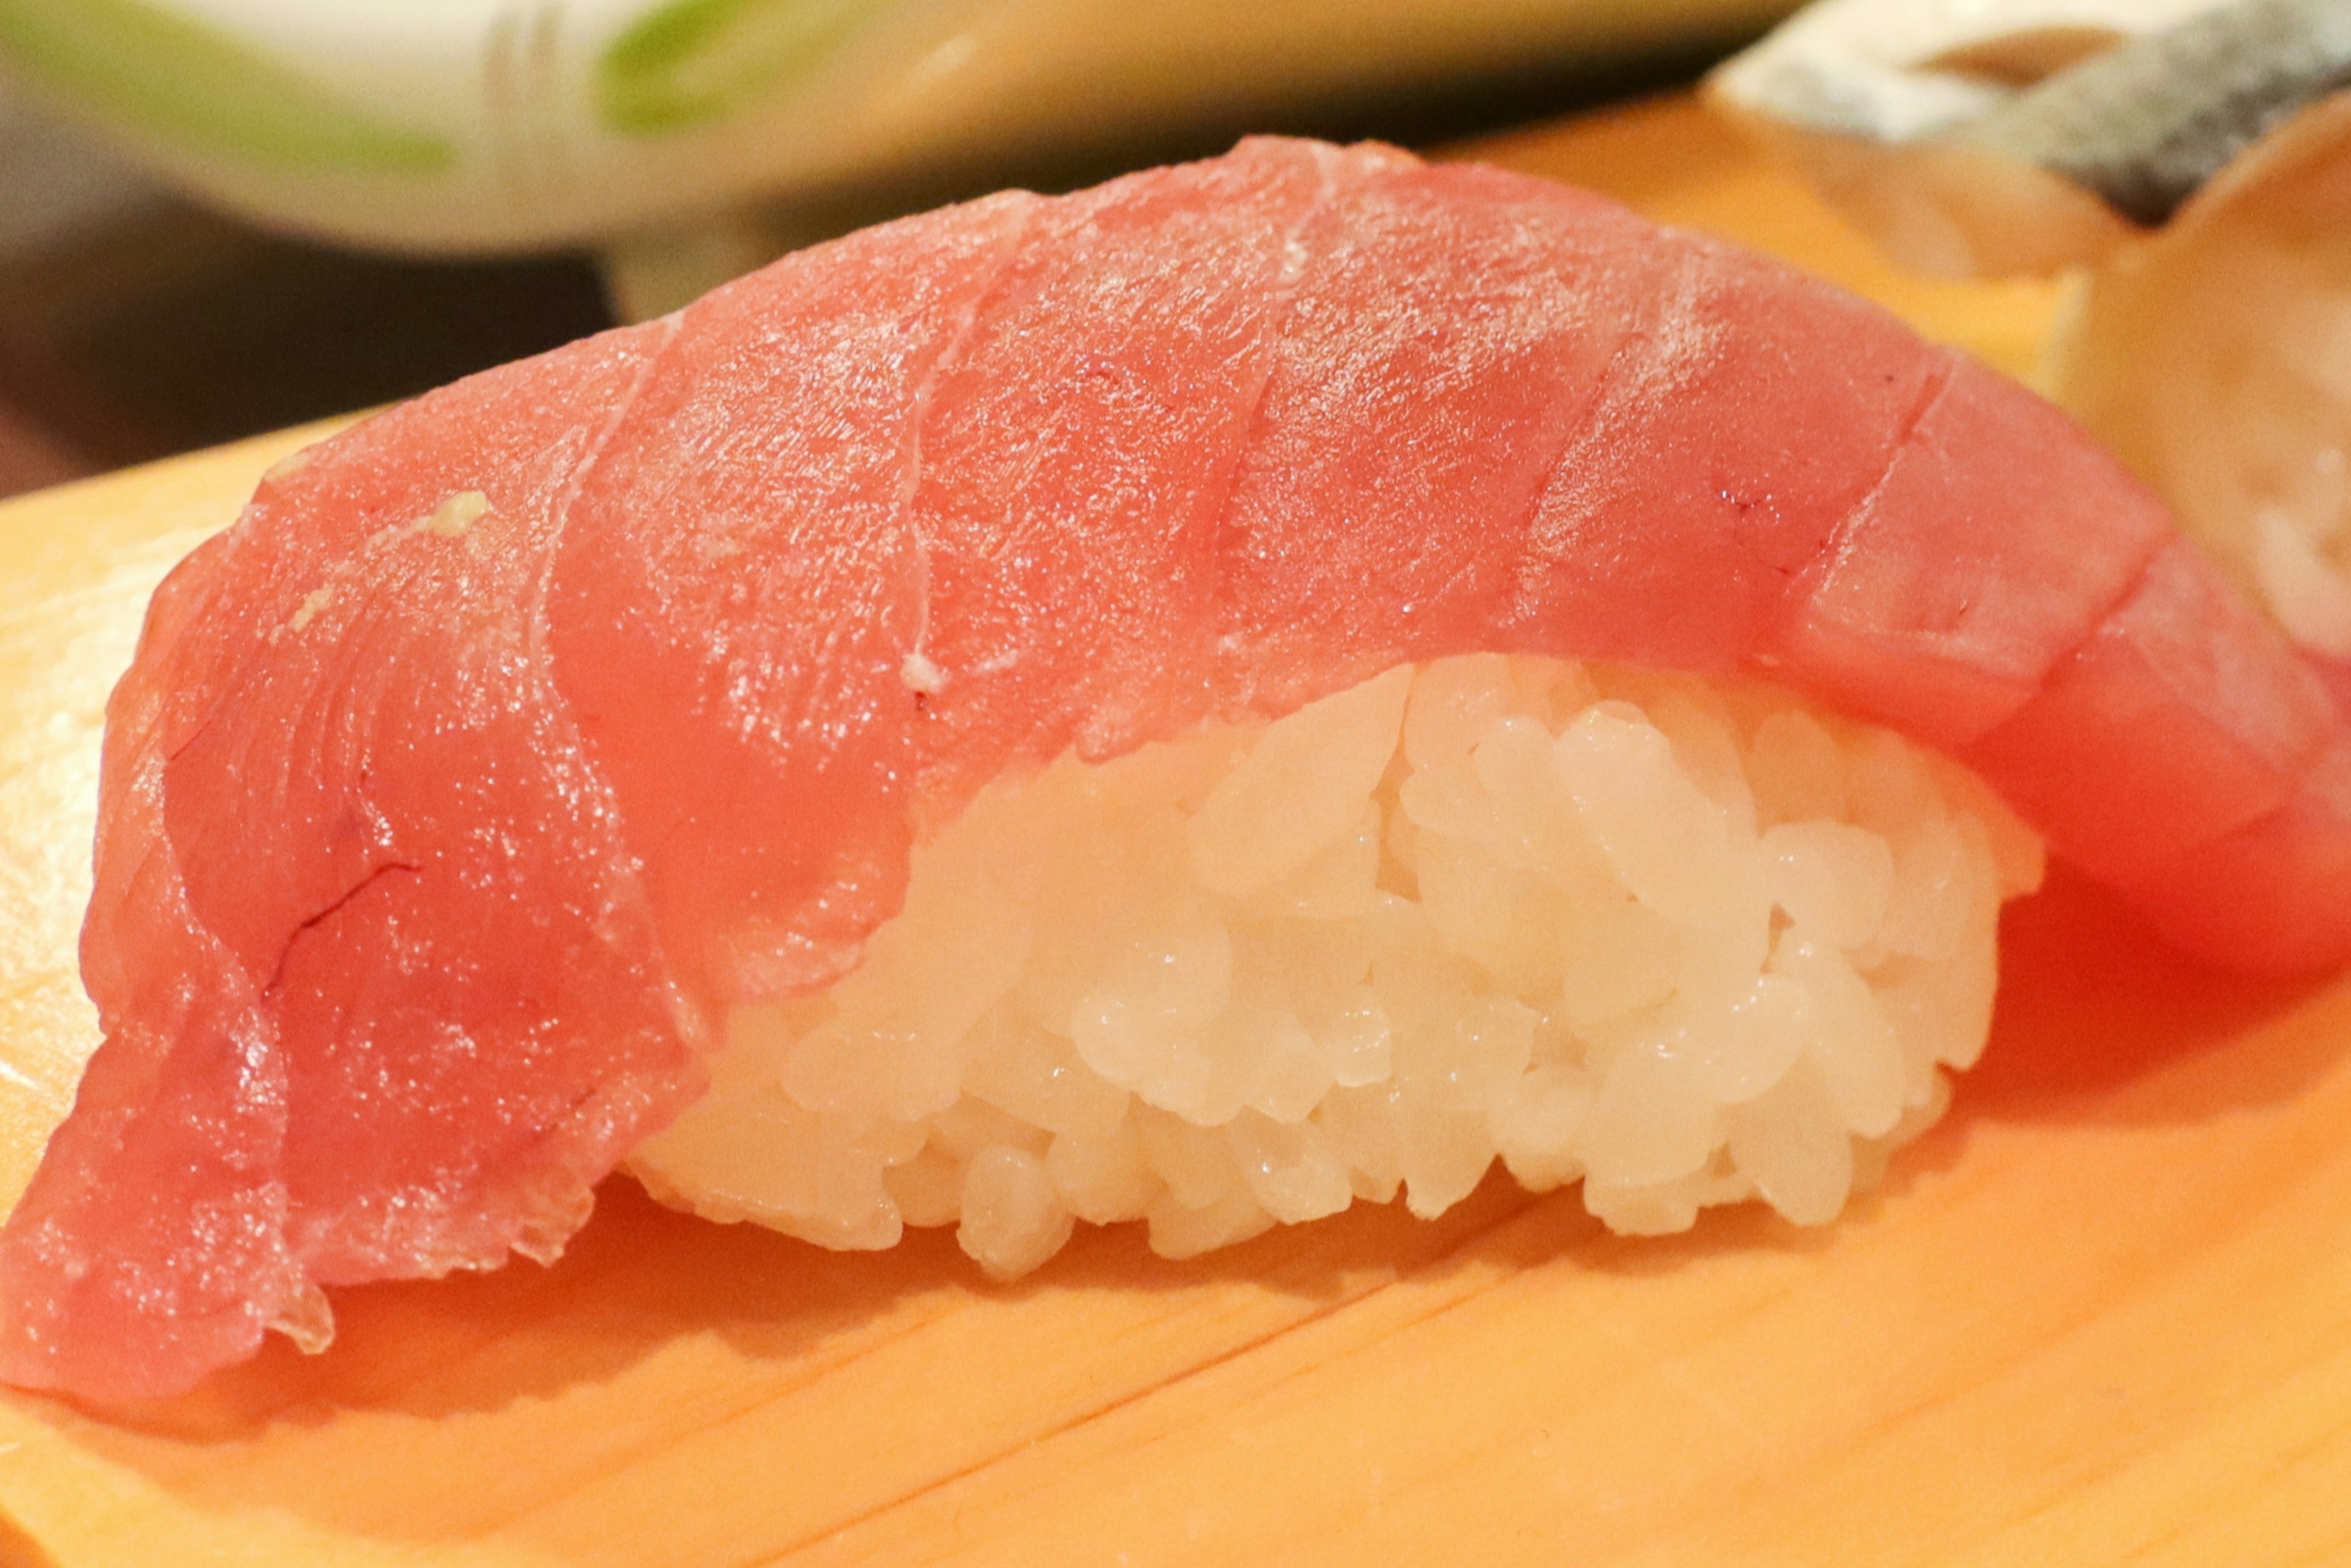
2102	1314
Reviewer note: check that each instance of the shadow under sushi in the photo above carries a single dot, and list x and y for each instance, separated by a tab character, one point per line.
2099	1020
432	1389
511	1402
19	1549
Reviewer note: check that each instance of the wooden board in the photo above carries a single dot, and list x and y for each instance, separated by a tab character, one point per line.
2103	1312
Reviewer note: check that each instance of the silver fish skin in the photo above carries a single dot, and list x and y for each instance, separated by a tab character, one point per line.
2146	124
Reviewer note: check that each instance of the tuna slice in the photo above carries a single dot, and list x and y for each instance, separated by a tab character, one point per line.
511	736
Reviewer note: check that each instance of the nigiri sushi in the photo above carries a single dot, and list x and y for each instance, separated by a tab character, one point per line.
1265	683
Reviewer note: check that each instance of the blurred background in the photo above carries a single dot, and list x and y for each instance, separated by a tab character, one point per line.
222	217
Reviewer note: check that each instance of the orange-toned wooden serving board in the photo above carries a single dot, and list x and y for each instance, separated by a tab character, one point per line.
2102	1313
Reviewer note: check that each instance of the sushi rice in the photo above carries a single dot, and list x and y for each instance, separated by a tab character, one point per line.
1689	941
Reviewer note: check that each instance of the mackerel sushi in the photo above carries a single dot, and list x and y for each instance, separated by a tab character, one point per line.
1265	684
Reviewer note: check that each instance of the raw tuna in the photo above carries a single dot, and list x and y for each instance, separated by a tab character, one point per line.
516	733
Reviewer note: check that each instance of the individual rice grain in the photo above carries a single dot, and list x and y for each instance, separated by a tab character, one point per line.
1104	1178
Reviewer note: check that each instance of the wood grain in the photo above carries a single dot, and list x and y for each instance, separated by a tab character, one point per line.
2102	1314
